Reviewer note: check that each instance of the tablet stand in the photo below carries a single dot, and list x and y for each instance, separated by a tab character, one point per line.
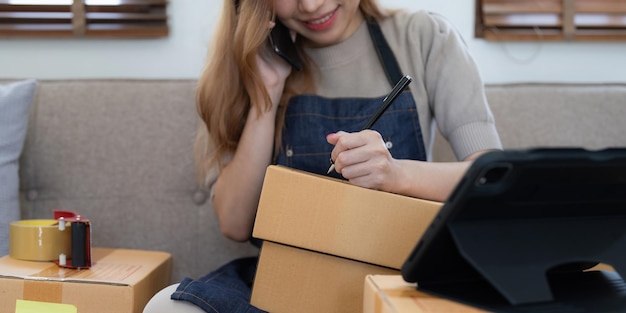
516	256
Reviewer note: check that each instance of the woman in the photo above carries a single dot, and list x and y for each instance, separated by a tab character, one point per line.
259	111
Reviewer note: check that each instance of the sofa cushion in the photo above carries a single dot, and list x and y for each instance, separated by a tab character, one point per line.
15	101
538	115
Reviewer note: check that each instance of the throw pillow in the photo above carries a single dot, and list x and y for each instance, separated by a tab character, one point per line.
15	101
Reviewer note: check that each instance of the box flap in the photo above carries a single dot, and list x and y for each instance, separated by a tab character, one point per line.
110	266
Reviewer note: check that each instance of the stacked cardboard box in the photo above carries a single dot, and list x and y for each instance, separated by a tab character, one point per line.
120	280
323	236
391	294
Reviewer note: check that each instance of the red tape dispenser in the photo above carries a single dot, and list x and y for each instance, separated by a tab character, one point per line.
81	239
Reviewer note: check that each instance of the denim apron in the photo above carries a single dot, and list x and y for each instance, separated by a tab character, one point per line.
308	120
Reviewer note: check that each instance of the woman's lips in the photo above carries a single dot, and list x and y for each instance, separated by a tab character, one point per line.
322	23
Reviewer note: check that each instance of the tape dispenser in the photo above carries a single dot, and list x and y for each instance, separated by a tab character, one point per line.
66	240
81	239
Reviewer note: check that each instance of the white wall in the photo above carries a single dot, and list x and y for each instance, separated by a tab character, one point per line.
182	54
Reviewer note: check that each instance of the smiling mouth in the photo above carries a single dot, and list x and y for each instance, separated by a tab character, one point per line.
322	20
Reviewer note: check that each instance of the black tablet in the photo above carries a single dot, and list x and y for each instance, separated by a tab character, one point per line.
522	228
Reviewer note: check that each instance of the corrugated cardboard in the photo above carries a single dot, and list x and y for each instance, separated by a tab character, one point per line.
323	236
391	294
292	280
335	217
119	281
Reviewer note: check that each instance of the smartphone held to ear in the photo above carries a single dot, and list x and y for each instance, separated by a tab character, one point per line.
283	45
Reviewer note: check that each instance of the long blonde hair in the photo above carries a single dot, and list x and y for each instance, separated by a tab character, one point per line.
230	82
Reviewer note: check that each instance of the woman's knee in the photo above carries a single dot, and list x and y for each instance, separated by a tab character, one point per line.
162	303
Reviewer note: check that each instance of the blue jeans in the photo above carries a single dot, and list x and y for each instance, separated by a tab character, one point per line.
225	290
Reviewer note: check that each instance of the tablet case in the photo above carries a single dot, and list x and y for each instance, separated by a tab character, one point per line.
521	229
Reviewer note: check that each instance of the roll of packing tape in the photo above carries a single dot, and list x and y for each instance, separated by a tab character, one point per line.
39	240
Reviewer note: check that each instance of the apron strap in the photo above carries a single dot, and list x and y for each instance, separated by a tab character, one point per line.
386	56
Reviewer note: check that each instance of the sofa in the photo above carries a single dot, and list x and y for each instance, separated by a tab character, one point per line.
119	152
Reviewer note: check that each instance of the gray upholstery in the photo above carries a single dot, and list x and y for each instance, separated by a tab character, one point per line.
592	116
120	153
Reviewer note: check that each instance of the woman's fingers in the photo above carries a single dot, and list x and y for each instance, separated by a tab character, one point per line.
356	148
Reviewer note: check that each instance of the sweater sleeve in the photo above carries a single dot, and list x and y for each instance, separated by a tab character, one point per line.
453	85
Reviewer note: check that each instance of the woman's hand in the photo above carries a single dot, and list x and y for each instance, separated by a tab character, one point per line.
235	199
363	159
274	71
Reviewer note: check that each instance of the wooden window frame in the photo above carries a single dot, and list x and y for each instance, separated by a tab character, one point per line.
550	20
83	19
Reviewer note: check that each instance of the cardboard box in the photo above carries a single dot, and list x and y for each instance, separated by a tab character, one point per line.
391	294
332	216
323	236
119	281
291	280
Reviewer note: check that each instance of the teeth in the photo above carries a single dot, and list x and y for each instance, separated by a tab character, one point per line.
322	20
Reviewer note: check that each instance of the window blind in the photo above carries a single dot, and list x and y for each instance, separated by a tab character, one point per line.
556	20
83	18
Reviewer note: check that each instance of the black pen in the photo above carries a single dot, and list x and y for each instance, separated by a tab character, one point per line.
389	99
